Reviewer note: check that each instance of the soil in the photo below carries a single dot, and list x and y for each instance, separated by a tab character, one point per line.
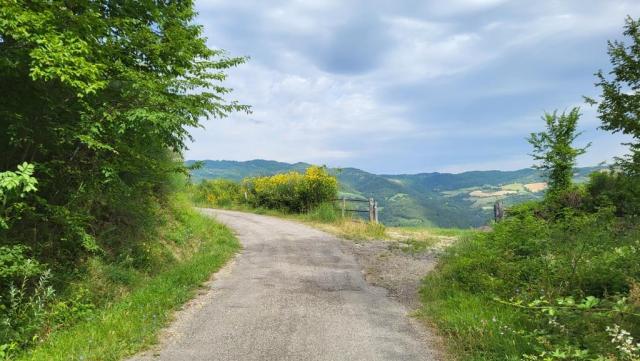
397	267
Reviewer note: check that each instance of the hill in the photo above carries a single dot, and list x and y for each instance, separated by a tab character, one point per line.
426	199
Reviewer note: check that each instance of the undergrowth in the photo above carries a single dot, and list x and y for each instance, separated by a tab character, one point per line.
118	306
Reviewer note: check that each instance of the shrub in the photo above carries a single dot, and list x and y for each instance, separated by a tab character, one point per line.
569	279
14	186
292	192
617	190
23	313
218	193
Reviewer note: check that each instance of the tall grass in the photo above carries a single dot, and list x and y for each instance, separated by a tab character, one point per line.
357	229
325	212
474	326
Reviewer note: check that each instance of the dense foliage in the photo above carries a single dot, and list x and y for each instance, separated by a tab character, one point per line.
567	280
619	103
95	101
558	279
293	192
218	193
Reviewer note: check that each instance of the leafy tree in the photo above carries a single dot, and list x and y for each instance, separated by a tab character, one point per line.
99	95
97	98
554	149
619	106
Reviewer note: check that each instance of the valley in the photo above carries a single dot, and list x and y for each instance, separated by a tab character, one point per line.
460	200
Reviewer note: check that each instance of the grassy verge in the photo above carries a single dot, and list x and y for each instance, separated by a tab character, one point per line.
353	229
538	290
197	246
473	326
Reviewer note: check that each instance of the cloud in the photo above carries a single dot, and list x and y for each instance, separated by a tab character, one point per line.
406	86
455	7
356	46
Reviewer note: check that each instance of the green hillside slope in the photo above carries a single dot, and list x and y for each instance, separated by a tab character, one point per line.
426	199
233	170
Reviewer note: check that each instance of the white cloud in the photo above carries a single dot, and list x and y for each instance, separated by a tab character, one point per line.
453	7
296	118
329	79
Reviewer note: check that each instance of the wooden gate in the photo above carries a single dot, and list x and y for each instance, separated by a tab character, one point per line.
372	209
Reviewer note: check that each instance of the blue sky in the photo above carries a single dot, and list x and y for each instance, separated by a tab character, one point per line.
407	86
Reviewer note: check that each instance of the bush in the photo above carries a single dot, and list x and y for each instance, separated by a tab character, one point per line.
617	190
218	193
567	274
292	192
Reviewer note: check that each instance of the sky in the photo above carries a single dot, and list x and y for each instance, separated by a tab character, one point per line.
407	86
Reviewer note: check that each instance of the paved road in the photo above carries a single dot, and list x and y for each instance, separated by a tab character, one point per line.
293	293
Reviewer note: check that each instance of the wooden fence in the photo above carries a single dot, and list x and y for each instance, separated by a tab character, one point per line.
372	207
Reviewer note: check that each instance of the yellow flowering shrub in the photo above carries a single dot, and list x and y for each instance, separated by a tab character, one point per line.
292	191
218	193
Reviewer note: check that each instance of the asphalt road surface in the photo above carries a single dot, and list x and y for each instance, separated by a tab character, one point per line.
293	293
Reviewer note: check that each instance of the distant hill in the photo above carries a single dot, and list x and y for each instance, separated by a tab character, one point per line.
425	199
229	169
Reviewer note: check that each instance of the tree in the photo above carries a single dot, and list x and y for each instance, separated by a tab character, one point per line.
98	96
619	105
554	148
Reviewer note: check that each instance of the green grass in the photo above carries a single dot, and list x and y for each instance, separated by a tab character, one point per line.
473	326
131	323
528	262
354	229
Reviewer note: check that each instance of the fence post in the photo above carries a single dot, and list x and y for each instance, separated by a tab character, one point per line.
371	210
375	211
498	211
344	206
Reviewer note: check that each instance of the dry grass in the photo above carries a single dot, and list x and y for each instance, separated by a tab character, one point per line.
536	187
483	194
353	229
406	238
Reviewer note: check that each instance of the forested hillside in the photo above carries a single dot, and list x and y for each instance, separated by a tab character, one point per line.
440	199
95	101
